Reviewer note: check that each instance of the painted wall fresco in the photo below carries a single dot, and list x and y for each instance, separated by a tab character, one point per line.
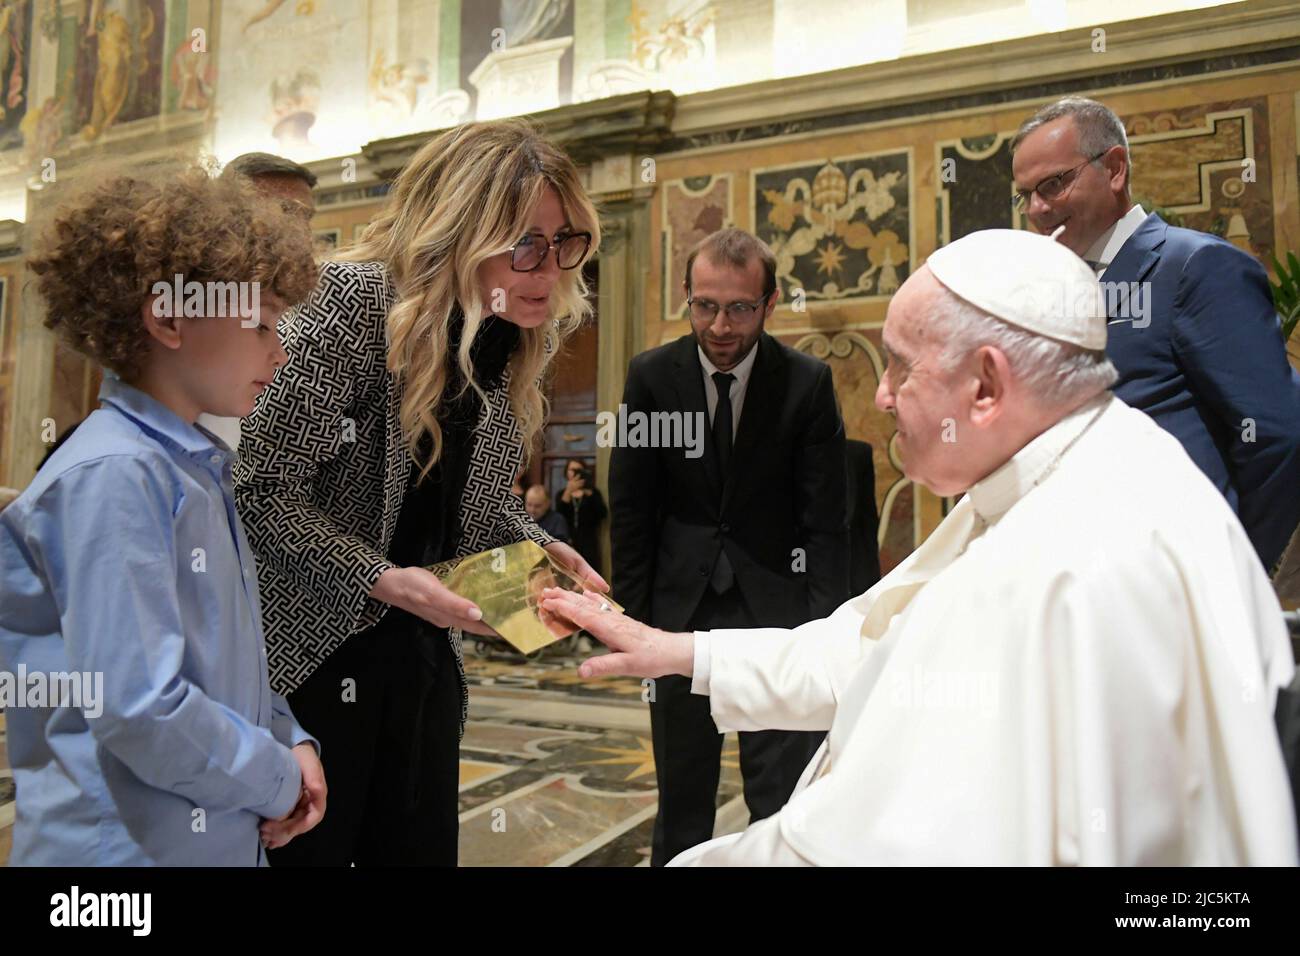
117	63
839	229
293	78
15	66
319	78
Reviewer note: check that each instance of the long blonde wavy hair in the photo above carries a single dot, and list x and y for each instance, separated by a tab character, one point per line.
466	196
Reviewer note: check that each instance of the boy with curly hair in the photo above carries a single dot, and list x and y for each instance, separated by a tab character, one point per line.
125	569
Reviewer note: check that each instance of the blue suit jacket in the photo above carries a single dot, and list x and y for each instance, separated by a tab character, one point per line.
1211	369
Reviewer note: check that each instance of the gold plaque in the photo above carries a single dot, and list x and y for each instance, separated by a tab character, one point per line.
507	584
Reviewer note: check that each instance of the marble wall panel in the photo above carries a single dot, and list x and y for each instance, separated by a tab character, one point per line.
841	229
856	362
692	209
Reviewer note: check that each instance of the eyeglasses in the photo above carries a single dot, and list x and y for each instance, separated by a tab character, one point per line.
706	310
530	252
1053	187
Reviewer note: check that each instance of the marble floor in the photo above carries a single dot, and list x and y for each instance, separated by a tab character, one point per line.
554	770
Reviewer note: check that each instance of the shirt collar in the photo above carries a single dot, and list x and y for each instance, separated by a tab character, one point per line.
162	423
1109	243
993	496
741	371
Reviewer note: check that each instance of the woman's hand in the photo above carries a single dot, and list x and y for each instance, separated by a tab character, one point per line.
422	594
638	650
576	565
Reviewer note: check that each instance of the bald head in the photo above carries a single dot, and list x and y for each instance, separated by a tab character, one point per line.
537	502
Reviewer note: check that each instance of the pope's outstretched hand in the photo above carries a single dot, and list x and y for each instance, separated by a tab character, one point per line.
637	649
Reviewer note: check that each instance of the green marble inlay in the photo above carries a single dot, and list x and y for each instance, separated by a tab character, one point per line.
448	45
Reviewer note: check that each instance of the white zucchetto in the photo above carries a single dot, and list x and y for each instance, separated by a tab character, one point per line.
1027	280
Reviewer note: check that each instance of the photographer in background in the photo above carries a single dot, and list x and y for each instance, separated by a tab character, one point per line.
583	508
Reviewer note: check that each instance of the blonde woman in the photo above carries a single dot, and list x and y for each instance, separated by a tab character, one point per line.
388	442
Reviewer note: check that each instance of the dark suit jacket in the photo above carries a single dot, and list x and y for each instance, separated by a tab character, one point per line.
785	492
864	521
1211	363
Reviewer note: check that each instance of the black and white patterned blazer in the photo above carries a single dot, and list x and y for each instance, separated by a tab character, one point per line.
322	470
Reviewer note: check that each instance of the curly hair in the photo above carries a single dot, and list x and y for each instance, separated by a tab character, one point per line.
105	247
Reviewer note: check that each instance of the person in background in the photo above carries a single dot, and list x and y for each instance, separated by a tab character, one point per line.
864	520
750	533
290	185
583	508
278	178
1192	327
538	505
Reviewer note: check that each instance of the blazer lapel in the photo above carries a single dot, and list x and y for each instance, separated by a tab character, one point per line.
763	396
688	379
396	462
1140	254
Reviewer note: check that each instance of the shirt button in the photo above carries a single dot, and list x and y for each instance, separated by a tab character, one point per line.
724	528
215	459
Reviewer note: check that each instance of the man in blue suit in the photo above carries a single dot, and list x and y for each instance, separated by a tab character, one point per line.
1193	330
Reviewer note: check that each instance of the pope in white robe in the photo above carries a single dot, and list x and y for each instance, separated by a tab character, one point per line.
1078	667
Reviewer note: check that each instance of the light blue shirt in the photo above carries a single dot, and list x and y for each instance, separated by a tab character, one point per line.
124	557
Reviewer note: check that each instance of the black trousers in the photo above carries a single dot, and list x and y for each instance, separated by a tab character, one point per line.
386	709
688	750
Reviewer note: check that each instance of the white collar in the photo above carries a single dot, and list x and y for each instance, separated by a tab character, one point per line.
993	496
1110	242
741	371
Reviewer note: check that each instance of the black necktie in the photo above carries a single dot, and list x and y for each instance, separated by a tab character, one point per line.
722	422
723	576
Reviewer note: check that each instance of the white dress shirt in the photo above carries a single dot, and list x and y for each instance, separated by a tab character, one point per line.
738	387
1110	242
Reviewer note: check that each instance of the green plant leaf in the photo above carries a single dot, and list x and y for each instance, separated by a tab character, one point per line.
1286	293
1288	284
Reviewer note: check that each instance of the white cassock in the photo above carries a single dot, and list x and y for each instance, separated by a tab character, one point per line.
1079	666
